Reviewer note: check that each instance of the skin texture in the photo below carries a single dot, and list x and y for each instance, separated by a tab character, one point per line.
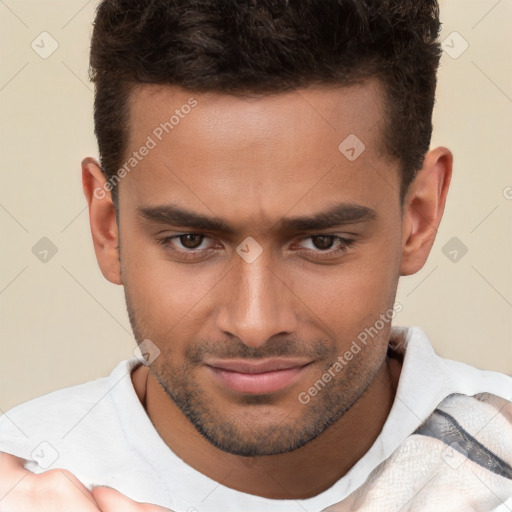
252	163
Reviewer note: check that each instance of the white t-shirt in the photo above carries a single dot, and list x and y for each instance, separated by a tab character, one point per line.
101	433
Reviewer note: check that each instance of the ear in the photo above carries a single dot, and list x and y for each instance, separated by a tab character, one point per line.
102	217
423	209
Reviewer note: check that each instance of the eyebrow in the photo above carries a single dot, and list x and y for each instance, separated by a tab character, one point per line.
338	215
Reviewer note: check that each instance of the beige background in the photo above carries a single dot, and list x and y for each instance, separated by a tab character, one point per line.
62	323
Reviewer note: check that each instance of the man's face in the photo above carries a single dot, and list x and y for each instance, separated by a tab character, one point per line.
205	299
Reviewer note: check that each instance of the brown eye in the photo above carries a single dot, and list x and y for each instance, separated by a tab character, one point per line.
191	240
187	246
323	242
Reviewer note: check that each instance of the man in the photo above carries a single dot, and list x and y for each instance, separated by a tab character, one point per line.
265	180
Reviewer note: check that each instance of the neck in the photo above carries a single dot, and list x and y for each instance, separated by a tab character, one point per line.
322	461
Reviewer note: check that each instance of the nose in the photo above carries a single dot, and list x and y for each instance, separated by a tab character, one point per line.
257	303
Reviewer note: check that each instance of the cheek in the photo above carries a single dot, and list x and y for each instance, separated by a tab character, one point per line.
163	293
351	296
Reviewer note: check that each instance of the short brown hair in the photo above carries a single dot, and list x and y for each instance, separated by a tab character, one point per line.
265	47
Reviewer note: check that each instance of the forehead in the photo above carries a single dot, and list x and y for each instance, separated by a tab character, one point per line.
341	110
256	150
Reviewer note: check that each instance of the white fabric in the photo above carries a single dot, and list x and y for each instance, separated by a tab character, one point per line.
433	472
101	433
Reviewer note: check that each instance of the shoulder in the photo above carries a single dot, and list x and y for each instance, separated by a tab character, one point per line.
424	366
55	415
460	458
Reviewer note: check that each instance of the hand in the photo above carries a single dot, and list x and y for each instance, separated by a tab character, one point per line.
110	500
57	490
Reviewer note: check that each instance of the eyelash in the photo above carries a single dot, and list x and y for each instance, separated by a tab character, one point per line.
346	244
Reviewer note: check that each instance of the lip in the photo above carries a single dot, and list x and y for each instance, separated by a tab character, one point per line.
263	366
255	378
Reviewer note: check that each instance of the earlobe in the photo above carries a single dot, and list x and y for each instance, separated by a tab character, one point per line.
102	218
423	209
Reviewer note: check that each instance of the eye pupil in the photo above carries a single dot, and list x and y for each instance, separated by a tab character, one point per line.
191	240
325	242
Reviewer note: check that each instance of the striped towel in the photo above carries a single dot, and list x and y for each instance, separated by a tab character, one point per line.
458	460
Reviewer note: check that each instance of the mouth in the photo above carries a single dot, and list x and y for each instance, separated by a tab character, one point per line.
256	378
